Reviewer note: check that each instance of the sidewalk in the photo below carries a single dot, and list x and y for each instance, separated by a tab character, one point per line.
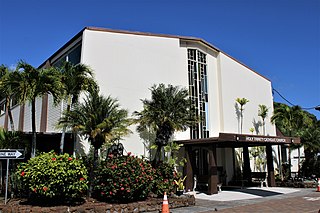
272	199
246	193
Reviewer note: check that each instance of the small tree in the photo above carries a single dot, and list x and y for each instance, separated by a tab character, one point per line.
241	102
263	113
290	121
76	79
169	110
6	91
29	83
258	154
100	119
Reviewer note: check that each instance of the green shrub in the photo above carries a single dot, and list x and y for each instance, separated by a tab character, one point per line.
164	179
53	176
123	179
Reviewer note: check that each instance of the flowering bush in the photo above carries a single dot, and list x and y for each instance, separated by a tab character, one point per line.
53	176
123	179
164	179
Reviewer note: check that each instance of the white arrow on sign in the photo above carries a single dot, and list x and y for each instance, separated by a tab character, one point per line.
18	154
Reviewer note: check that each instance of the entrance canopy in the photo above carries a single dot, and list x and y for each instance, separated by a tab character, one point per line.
240	140
227	140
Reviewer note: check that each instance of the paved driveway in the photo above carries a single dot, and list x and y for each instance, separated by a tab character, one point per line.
257	200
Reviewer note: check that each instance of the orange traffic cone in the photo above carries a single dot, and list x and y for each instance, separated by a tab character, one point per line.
318	187
165	204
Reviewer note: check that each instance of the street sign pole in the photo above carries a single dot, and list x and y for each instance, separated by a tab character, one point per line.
10	154
7	177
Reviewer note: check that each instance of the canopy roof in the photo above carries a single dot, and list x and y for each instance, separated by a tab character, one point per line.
240	140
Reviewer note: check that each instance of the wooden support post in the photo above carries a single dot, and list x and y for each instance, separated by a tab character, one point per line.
213	173
188	168
271	179
246	165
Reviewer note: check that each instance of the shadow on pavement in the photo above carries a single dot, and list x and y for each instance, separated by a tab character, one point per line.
258	192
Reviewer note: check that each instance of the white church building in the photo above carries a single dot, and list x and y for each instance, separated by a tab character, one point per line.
126	64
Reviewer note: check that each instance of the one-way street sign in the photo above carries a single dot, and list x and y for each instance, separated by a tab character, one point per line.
11	154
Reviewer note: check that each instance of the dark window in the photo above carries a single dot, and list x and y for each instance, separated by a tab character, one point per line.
73	56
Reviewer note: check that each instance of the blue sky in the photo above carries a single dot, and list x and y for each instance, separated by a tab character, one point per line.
280	39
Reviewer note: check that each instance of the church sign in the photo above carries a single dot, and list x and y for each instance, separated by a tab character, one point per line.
257	139
264	139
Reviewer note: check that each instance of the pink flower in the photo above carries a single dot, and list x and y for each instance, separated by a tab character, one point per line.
35	190
129	153
82	179
54	159
45	188
70	158
102	193
23	173
122	188
110	193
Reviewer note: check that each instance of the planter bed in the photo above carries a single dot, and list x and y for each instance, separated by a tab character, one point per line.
304	184
94	206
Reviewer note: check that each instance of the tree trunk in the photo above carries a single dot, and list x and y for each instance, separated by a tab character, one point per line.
34	133
289	156
157	155
299	161
241	122
64	128
75	133
11	120
8	106
280	162
92	170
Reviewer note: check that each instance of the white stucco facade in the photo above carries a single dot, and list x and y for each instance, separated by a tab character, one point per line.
127	64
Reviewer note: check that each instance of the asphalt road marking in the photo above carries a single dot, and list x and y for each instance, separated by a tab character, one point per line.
312	198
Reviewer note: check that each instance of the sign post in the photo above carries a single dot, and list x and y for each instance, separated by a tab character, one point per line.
10	154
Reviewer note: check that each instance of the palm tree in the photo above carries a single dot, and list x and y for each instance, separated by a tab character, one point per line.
258	151
289	120
6	91
263	113
98	118
12	140
169	110
241	102
28	83
310	139
76	79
